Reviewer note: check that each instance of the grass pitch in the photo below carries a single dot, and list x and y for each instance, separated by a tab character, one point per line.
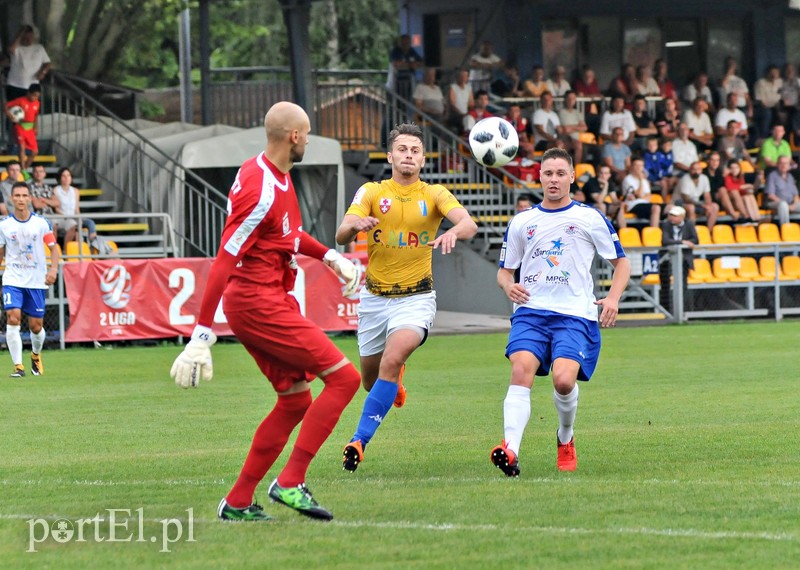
687	441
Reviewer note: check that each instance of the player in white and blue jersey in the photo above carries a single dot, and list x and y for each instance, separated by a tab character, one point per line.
23	237
555	325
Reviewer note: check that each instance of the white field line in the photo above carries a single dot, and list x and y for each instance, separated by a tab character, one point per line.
493	528
383	481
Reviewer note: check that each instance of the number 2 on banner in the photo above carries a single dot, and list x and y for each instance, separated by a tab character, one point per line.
184	279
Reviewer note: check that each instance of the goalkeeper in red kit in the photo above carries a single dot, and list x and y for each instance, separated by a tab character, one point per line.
253	272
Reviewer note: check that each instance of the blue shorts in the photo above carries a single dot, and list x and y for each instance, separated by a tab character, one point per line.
549	335
31	301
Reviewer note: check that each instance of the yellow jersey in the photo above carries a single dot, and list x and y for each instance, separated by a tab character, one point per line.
399	257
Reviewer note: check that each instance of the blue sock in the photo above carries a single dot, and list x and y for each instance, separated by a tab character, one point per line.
379	401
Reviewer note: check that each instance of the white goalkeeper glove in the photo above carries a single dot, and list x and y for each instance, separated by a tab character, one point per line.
344	268
194	362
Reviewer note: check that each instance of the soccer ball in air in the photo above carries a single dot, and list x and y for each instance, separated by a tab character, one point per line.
493	142
17	112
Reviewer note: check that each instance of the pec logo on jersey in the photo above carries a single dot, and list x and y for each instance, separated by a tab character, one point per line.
570	229
423	207
286	226
385	204
530	231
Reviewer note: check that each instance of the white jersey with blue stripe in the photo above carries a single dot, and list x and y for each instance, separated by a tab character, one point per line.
25	260
554	250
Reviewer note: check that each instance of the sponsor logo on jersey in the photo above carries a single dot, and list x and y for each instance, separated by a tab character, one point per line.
385	204
400	239
562	279
552	254
530	231
570	229
531	279
423	207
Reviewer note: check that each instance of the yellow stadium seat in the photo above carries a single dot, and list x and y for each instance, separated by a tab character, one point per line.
747	167
703	235
790	231
791	266
766	266
749	270
651	279
722	234
726	273
768	233
651	237
587	138
701	272
584	168
629	237
656	199
745	234
72	251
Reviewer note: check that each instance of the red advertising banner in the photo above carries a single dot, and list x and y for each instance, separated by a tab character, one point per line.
126	299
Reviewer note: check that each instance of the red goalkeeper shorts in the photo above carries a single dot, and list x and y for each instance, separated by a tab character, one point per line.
26	139
287	347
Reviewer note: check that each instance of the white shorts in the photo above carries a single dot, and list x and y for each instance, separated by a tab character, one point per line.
380	316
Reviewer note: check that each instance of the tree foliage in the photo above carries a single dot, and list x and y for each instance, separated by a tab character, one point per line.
135	42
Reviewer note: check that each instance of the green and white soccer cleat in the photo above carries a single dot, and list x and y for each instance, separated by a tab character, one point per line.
251	513
299	498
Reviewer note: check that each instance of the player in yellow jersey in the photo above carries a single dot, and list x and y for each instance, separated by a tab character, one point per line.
401	217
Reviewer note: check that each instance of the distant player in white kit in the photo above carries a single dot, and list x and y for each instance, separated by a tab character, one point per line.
555	323
26	278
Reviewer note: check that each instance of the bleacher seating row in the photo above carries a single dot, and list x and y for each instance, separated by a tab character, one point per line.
765	233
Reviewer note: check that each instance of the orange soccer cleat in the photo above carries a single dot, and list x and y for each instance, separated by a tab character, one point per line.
400	399
567	459
505	460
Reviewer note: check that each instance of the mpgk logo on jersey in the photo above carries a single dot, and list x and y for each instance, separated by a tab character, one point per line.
385	204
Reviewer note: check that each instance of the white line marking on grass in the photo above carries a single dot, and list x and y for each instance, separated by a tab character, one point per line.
457	527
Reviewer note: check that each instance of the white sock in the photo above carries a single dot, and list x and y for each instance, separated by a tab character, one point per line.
567	407
37	341
516	413
14	342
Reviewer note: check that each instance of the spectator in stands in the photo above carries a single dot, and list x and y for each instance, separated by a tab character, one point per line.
524	202
767	93
790	96
636	192
483	66
699	88
27	128
668	119
731	146
741	194
478	112
693	192
29	62
716	172
536	85
618	116
773	148
558	84
428	96
69	202
732	84
781	191
684	152
404	61
646	85
599	194
625	85
654	164
586	85
547	129
665	84
507	82
617	155
573	123
675	230
645	127
460	100
730	113
701	133
12	174
43	200
523	128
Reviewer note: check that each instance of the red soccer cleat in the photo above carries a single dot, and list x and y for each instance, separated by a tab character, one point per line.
567	459
505	460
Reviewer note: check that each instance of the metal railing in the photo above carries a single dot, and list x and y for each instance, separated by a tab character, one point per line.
142	178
